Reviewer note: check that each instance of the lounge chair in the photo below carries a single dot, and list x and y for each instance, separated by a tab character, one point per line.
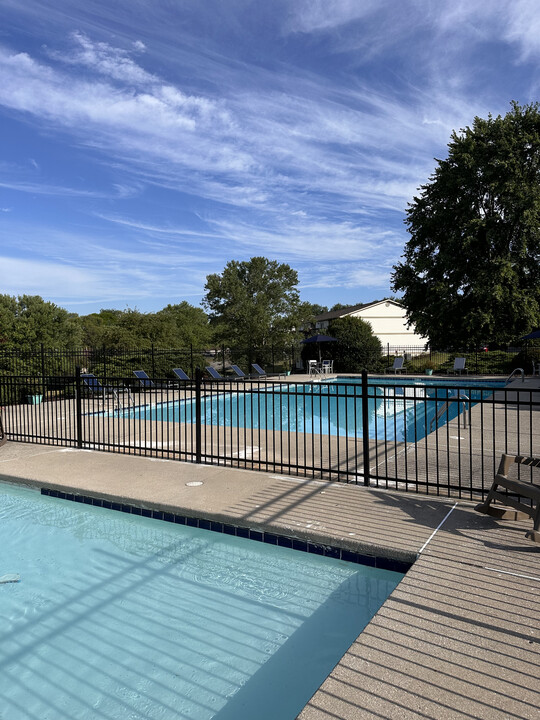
95	387
240	373
180	374
518	488
397	366
459	366
143	378
260	373
3	436
214	373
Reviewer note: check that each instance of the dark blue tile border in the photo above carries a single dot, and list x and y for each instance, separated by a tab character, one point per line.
271	538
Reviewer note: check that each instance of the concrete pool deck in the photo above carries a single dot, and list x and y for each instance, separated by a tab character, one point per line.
458	638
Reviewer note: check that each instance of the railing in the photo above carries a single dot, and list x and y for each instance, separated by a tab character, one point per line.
396	435
56	364
515	372
115	362
462	404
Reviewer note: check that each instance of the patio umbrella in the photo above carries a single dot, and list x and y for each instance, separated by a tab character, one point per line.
319	339
532	335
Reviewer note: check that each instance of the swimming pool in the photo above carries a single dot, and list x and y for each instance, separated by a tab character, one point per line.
120	616
398	409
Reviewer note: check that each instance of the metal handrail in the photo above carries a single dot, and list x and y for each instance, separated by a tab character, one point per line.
517	370
461	398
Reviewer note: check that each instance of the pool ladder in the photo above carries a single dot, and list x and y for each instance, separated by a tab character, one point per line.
119	403
514	372
462	400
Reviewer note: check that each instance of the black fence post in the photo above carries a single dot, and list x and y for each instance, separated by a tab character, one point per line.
365	426
78	406
42	370
198	428
153	362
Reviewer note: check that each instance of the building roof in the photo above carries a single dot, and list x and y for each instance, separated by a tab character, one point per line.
333	314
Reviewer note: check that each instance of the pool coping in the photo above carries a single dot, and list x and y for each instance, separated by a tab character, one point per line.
271	538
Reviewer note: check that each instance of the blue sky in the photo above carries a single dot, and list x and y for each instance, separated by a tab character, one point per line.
145	143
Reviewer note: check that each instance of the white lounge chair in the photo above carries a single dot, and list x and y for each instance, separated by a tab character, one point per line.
397	366
459	366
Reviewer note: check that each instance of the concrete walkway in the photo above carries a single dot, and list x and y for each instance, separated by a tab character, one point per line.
458	638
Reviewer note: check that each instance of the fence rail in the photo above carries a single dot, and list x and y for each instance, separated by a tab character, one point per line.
437	440
105	363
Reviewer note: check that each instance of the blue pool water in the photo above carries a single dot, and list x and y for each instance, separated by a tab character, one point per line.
120	616
397	409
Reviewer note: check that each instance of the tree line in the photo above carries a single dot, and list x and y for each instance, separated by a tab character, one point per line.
253	308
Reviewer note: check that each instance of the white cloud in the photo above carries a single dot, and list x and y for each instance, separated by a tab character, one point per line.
253	149
523	27
42	188
312	15
302	239
105	59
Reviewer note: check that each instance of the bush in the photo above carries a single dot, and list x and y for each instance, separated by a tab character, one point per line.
357	348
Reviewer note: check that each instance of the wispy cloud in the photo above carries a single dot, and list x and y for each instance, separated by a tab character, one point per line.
185	134
313	15
318	139
106	60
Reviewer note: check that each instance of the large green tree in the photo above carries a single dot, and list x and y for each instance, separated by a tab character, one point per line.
471	268
255	307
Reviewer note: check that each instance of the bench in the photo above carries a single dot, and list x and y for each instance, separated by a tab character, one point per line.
516	487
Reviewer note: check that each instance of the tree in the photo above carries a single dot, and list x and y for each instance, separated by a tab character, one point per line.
315	309
470	271
357	348
255	307
187	325
29	321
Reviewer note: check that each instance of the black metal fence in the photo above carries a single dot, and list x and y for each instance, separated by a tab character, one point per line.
445	440
479	360
105	363
114	362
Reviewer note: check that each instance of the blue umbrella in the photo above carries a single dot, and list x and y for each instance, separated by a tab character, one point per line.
532	335
319	339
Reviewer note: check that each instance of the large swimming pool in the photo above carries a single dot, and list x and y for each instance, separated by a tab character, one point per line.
119	616
398	410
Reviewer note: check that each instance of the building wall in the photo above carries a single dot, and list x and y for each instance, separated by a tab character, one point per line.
389	324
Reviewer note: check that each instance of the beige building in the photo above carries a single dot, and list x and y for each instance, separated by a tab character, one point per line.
387	320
